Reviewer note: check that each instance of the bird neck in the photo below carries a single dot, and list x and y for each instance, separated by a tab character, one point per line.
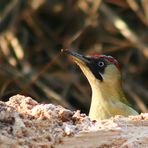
103	97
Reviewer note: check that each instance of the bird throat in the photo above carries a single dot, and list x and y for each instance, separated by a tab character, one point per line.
104	99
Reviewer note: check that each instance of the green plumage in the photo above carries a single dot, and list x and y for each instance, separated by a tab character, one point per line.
108	98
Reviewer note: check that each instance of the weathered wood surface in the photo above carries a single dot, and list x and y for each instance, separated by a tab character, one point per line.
26	123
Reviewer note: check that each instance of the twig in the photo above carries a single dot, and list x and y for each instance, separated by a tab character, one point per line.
124	29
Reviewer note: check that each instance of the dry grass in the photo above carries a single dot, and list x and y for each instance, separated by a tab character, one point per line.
34	31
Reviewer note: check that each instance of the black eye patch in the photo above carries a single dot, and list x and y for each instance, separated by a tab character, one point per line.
97	67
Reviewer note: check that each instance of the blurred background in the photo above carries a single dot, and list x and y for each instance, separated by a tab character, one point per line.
33	32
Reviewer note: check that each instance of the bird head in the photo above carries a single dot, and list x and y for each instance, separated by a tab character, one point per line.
97	68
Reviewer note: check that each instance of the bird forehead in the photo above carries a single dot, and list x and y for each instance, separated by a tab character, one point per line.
108	58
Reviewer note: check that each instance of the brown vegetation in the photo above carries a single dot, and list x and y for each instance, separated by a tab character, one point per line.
32	33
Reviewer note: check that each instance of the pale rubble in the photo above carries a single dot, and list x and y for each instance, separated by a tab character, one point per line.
27	123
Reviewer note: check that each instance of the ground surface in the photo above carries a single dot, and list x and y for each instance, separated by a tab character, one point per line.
26	123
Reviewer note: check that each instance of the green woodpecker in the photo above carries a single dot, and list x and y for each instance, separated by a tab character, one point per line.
104	76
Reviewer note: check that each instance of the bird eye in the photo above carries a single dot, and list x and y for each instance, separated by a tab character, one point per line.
101	64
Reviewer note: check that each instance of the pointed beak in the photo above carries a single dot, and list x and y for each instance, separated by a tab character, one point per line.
76	56
86	65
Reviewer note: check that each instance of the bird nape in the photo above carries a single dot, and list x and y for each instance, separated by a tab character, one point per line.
104	76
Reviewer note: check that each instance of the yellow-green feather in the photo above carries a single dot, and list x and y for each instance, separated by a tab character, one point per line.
107	97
